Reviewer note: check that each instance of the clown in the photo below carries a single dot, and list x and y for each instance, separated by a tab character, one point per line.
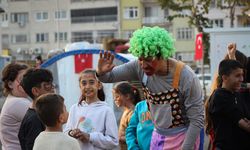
172	90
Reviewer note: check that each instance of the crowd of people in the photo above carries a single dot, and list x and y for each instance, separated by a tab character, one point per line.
170	115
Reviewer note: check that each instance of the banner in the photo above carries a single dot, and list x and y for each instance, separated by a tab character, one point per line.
83	61
198	47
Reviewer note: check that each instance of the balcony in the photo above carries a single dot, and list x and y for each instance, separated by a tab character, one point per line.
94	19
154	20
77	1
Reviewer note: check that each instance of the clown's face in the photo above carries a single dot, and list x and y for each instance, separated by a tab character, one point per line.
149	65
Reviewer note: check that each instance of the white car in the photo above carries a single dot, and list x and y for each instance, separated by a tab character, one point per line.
207	81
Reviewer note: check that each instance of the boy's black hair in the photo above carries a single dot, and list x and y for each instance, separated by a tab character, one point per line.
39	57
33	78
226	67
49	107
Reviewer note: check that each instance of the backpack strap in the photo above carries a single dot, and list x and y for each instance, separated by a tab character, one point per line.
177	74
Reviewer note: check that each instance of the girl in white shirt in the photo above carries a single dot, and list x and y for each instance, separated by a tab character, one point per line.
91	120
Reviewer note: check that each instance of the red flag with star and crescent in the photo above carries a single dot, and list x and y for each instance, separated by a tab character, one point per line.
83	61
198	47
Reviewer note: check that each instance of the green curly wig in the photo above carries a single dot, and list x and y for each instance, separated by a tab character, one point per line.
152	42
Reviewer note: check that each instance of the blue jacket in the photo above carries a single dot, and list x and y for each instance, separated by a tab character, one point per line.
140	128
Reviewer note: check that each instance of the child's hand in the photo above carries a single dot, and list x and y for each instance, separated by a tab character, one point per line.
231	50
84	137
78	134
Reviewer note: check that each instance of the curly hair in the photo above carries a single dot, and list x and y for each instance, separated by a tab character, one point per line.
152	42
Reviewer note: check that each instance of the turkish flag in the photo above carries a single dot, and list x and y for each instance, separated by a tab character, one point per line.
83	61
198	47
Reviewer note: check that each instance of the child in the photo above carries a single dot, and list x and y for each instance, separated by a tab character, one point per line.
15	106
91	120
39	61
52	112
125	96
140	128
231	128
243	100
35	82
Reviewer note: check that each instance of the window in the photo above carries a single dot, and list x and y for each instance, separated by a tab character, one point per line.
131	12
128	34
62	36
166	13
148	11
41	16
62	14
4	17
19	38
19	17
42	37
5	41
104	34
18	0
82	36
184	33
72	1
217	23
155	11
94	15
243	21
215	3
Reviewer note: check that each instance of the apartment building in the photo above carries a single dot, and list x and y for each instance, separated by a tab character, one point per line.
33	27
220	18
130	17
92	20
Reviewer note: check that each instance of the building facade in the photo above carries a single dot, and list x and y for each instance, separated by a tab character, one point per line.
33	27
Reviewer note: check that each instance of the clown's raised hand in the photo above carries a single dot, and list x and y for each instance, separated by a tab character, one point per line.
105	63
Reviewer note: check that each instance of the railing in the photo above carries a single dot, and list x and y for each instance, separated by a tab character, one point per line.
89	19
148	1
154	20
75	1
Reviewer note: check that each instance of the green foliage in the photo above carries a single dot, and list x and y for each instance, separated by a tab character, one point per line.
195	17
197	11
231	5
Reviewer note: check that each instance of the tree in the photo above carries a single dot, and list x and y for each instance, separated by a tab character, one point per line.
231	6
197	9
